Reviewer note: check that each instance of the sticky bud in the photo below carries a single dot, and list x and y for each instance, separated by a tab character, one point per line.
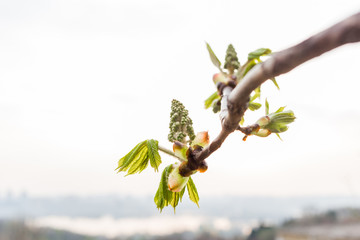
201	139
265	120
180	150
262	133
203	167
176	182
220	77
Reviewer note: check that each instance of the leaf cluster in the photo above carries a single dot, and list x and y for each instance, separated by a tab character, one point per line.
276	122
139	157
164	197
239	72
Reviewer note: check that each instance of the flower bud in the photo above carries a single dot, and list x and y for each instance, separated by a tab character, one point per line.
176	182
201	139
220	77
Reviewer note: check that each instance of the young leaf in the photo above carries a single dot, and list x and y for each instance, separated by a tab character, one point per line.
258	53
138	158
278	135
276	84
209	101
254	106
193	194
256	94
213	57
127	161
280	109
176	197
163	196
139	163
266	107
242	121
249	66
279	121
153	153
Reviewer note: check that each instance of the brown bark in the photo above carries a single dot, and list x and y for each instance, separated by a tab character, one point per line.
234	102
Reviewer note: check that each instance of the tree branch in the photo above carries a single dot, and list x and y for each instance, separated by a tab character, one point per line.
171	153
346	31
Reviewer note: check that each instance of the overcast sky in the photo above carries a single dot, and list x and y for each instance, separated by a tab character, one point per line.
82	82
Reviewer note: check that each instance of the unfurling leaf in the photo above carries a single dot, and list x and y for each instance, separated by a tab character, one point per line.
193	194
258	53
163	196
138	158
213	57
153	153
276	84
278	135
256	94
242	121
254	106
280	109
279	121
210	100
249	65
176	197
266	107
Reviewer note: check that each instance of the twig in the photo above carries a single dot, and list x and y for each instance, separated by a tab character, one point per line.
167	151
346	31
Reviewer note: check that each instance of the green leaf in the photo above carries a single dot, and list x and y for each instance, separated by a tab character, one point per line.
254	106
193	194
256	94
266	107
209	101
278	135
153	152
276	84
242	121
163	196
139	163
138	158
280	109
282	117
258	53
213	57
279	121
126	162
249	66
176	197
258	91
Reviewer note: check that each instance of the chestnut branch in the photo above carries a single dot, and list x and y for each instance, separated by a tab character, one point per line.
234	101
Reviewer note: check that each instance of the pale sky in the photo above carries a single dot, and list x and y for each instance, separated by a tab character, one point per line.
82	82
